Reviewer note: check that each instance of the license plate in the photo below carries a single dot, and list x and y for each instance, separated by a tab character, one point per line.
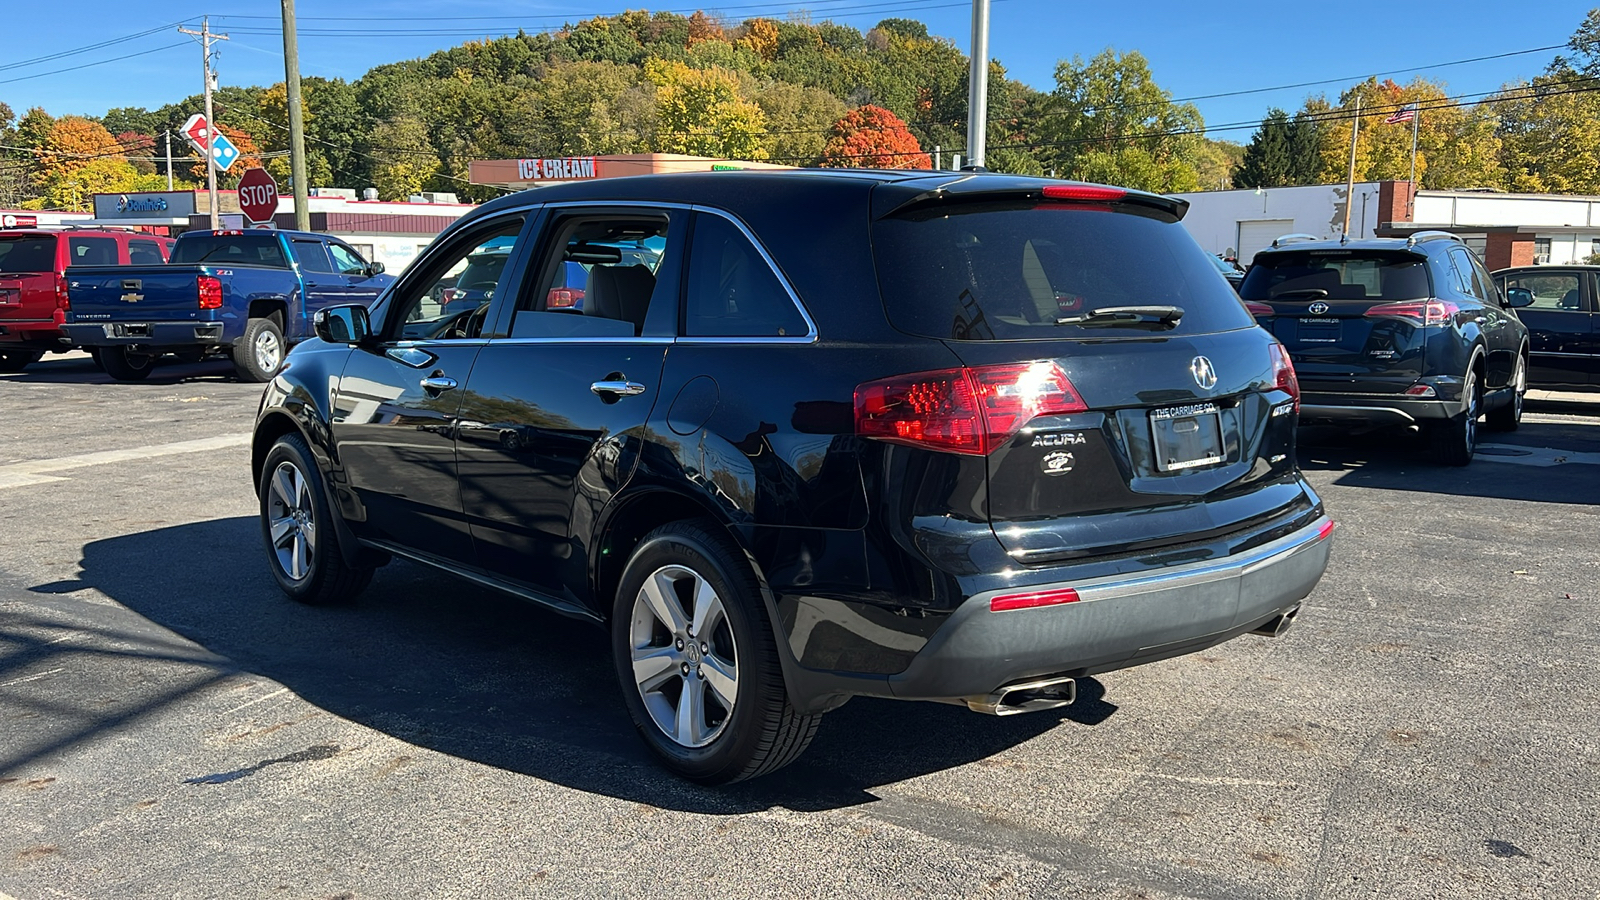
1186	437
1319	331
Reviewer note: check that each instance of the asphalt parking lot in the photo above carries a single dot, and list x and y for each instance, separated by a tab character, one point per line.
171	727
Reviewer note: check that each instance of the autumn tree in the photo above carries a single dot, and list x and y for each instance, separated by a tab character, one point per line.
1108	120
872	137
1456	145
702	112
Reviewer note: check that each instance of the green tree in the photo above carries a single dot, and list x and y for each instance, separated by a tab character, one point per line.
702	112
1268	159
405	159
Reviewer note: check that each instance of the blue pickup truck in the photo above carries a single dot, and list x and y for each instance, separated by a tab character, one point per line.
247	294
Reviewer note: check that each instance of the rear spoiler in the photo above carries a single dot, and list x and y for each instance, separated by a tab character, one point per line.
899	197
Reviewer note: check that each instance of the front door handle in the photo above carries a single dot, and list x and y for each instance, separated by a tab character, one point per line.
617	388
438	384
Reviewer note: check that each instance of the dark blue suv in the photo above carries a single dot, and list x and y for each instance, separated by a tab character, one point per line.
1395	331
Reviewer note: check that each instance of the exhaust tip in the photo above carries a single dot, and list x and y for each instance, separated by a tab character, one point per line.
1026	696
1278	624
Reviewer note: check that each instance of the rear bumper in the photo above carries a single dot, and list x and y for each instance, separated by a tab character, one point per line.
37	334
145	334
1118	621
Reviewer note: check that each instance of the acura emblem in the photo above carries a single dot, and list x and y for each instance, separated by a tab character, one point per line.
1317	308
1204	373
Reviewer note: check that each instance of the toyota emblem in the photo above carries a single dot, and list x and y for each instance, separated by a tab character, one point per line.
1204	373
1317	308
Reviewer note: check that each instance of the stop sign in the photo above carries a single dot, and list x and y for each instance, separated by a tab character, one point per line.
258	195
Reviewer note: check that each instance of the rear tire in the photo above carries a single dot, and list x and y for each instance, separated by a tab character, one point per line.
1509	416
259	354
94	357
682	577
298	531
125	365
17	360
1455	440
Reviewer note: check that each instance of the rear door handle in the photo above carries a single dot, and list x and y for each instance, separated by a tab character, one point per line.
438	383
619	388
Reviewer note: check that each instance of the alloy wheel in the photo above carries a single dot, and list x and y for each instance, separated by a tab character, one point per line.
685	663
292	520
1471	429
268	350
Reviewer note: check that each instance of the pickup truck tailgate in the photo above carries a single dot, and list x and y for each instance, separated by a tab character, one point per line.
129	293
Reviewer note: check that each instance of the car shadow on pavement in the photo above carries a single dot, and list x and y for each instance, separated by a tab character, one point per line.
1544	462
471	673
82	370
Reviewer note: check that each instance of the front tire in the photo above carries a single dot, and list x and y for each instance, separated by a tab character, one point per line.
124	364
297	528
1455	440
697	657
1509	416
259	354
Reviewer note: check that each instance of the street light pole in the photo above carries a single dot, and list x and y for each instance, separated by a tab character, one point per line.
297	130
978	84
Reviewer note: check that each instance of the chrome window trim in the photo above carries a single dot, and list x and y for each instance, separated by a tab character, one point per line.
810	337
589	339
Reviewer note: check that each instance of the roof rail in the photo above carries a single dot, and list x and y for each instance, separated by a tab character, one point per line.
1293	238
1419	236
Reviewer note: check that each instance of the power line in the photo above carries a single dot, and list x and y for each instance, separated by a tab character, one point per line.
86	48
92	64
561	17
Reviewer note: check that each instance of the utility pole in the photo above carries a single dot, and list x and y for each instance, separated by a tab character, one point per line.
978	84
169	160
297	130
1350	186
206	36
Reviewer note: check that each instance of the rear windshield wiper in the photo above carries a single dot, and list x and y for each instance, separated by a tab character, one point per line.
1303	292
1161	316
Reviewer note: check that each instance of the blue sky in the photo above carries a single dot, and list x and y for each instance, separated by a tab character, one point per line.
1194	49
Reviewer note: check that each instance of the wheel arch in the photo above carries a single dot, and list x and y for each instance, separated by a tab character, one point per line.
628	518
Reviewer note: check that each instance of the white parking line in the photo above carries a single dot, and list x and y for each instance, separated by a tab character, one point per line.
34	471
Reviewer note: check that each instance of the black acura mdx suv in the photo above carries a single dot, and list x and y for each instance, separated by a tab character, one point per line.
956	437
1395	331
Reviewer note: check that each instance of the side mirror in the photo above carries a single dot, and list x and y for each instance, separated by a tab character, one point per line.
1517	298
375	268
344	324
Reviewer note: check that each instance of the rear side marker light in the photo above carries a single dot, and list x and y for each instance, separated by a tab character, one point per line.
1420	312
971	410
1259	309
1420	390
1092	193
1032	600
1325	530
1283	377
210	292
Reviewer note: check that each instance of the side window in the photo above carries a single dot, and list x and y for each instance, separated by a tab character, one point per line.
597	278
145	253
92	251
448	296
1554	291
1485	283
346	262
310	256
732	291
1462	267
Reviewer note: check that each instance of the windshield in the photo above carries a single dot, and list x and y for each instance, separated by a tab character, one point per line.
1004	271
1336	275
34	253
233	249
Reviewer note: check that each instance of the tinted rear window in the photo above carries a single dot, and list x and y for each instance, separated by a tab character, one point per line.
1342	274
235	249
998	272
27	254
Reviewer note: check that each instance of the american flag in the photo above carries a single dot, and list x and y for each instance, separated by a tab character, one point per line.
1406	114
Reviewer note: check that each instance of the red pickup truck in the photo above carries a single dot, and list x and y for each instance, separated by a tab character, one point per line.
33	291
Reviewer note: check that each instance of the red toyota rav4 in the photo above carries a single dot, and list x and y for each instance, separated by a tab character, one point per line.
33	292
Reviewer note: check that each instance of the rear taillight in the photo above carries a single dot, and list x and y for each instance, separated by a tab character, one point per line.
1091	193
1283	377
1422	312
210	292
563	298
1033	599
62	301
971	410
1259	309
